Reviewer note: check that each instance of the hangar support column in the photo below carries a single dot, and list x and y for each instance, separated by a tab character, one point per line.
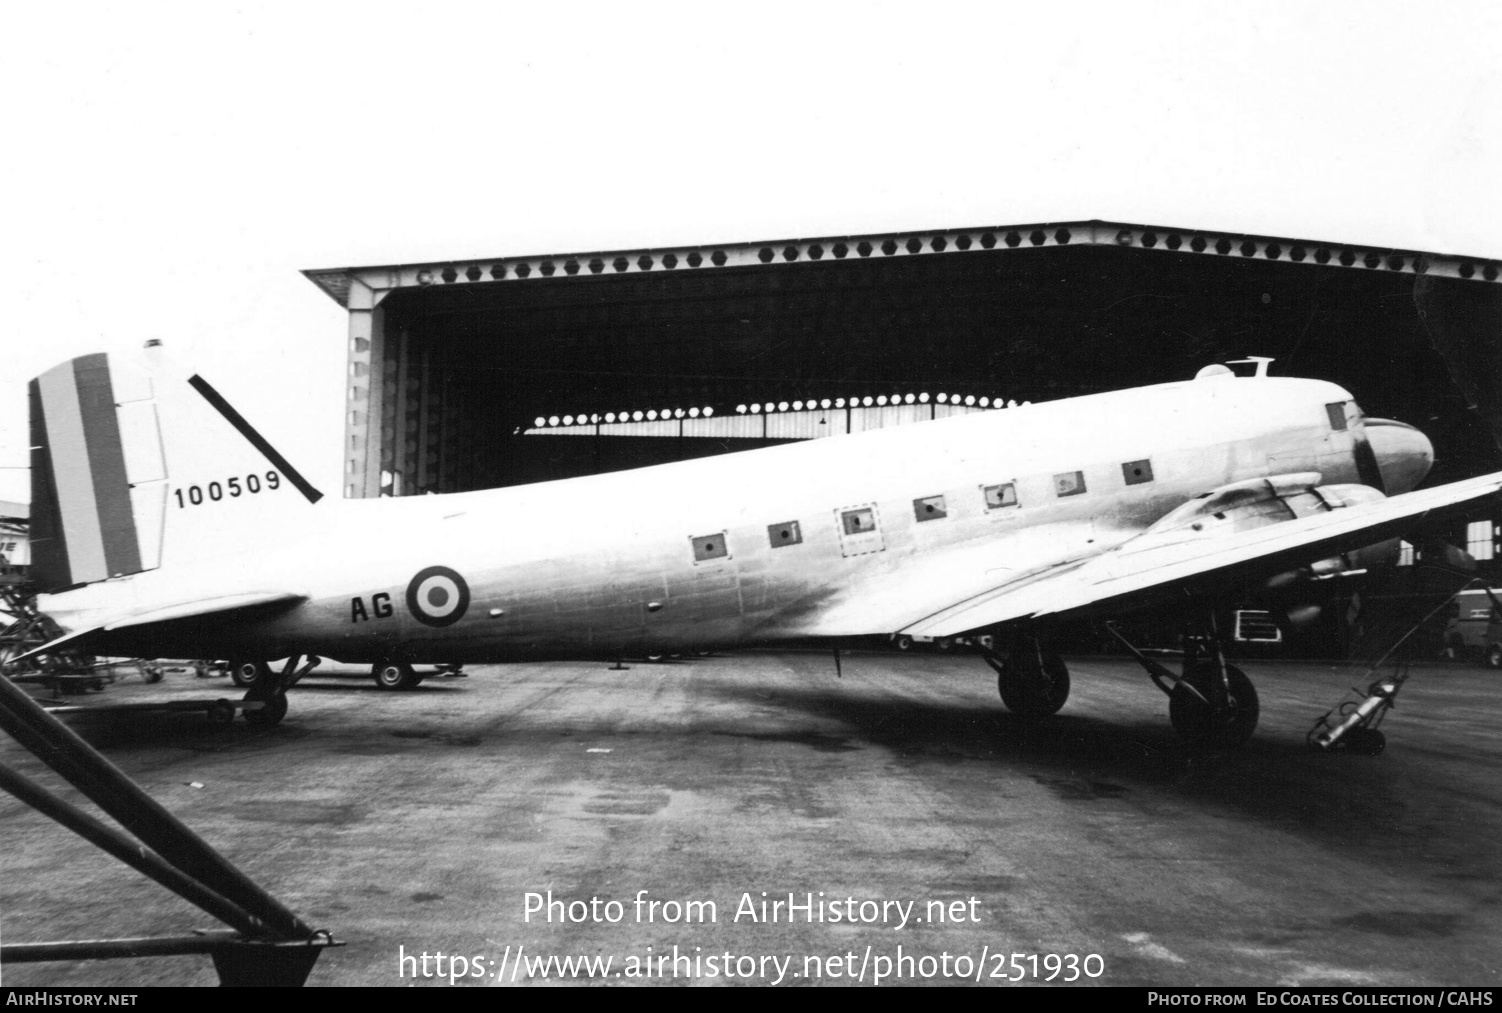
362	421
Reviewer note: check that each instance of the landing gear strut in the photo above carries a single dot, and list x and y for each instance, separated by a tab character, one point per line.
1032	682
270	689
1212	705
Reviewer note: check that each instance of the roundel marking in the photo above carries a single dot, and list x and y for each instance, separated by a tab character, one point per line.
437	596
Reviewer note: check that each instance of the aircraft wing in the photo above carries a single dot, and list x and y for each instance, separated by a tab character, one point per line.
163	613
1180	563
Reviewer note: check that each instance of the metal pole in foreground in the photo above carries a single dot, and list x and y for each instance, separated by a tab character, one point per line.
65	752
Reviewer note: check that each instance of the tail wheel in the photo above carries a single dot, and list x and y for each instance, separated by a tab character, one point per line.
1190	712
248	672
1035	694
902	642
394	675
1494	656
271	714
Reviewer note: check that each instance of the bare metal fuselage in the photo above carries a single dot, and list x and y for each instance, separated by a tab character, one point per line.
613	564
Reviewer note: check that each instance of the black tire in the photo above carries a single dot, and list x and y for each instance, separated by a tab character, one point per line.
248	672
394	675
902	642
944	644
221	713
1032	699
1190	713
1494	655
271	715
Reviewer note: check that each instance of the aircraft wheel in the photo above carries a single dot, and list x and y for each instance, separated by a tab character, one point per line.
271	715
902	642
1494	656
394	675
1037	697
1365	741
247	672
1191	717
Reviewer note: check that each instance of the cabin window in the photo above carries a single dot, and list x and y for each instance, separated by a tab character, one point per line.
929	508
1069	483
710	547
786	533
858	522
1137	472
1003	495
1337	413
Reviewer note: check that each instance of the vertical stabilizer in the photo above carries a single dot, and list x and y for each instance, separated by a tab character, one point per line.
139	465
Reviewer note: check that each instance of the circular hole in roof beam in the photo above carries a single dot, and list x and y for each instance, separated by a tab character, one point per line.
644	262
962	242
1124	237
473	274
695	259
570	267
914	244
841	251
864	249
765	255
815	252
1322	256
1347	257
596	266
1062	237
938	244
670	261
498	271
889	247
1395	263
1297	254
790	253
449	274
1013	239
1197	244
1222	246
1149	239
1037	237
1489	272
718	258
1248	249
620	264
1272	251
523	270
1371	260
1174	241
988	240
547	268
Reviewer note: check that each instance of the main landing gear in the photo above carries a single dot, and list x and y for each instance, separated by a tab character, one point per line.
1032	682
1212	705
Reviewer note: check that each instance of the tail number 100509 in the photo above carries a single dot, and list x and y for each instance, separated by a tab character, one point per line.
233	487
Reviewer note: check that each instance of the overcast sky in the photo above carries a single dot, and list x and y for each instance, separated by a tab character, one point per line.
170	168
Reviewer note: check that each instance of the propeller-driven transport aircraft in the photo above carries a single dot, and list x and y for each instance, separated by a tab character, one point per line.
164	525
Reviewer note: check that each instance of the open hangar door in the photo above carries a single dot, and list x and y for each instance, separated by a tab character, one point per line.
452	364
476	374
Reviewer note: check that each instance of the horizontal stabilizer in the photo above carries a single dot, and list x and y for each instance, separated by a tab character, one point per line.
182	610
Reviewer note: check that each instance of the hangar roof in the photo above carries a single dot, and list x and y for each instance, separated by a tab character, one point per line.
336	282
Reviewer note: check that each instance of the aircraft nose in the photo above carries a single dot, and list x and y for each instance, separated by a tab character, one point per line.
1404	453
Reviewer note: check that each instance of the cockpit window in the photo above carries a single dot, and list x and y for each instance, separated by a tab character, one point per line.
1337	412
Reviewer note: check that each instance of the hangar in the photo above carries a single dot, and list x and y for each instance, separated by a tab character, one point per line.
461	374
498	371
